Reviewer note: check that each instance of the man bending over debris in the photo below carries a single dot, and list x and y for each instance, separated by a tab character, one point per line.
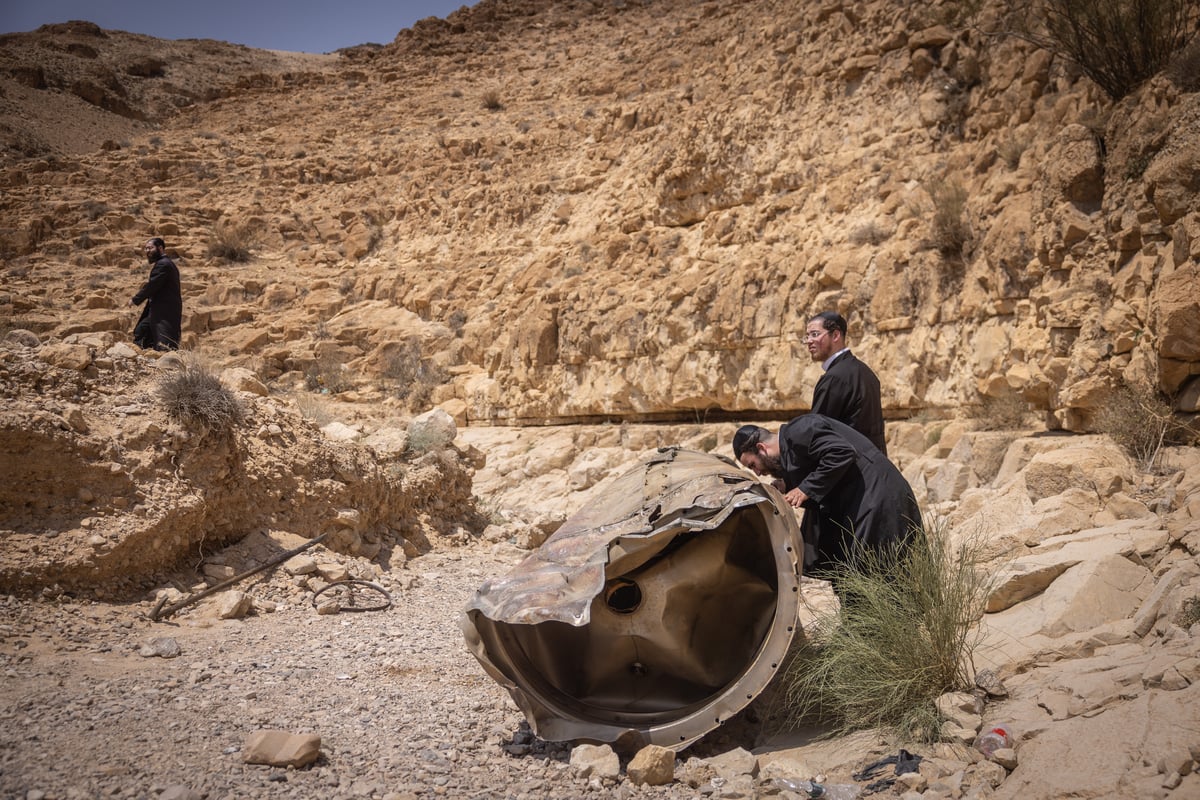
855	495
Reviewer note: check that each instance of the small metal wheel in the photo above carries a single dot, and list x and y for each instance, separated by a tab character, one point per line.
355	595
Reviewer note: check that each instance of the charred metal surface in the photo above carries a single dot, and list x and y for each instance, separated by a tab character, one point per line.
652	615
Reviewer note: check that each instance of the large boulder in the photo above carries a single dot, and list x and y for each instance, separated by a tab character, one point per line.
1177	320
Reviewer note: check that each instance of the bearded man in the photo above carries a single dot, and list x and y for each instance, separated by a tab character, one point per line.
161	321
854	497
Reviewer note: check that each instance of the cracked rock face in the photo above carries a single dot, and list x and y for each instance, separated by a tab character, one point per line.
586	243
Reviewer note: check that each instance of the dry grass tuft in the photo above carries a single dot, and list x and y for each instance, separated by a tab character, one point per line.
1011	149
949	224
409	376
1009	412
197	399
231	241
870	232
491	100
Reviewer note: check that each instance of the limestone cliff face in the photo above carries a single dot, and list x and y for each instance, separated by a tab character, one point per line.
570	210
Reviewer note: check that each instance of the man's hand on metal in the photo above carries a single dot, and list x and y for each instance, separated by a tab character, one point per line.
795	498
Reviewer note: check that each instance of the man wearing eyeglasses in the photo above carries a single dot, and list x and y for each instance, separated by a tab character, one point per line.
849	390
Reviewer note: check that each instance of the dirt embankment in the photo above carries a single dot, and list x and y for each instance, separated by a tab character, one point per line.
102	490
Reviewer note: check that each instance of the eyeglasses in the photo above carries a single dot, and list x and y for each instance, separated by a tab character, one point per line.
812	336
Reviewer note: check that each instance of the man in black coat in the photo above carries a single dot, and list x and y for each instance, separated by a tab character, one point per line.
161	321
849	390
855	496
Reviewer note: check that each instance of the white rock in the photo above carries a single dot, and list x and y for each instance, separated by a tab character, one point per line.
341	432
433	430
233	605
595	760
162	647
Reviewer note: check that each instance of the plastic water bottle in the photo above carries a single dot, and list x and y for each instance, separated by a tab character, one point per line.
812	790
993	739
807	788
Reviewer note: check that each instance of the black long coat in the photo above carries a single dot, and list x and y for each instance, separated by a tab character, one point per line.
164	306
856	496
849	393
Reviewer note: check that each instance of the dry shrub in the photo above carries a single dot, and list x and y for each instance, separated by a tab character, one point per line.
1005	413
328	374
868	233
409	375
1011	149
1135	168
882	660
949	224
1141	422
231	241
94	209
424	440
491	100
196	398
1119	44
1189	613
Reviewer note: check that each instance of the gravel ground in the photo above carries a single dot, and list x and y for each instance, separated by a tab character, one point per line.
402	709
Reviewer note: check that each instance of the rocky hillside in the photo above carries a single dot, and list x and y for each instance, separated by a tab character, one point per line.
72	88
549	211
545	211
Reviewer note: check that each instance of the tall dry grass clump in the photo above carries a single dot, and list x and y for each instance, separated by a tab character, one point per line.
231	241
1007	412
197	399
1141	422
906	637
949	226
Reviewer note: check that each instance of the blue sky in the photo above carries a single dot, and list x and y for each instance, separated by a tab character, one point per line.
310	26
